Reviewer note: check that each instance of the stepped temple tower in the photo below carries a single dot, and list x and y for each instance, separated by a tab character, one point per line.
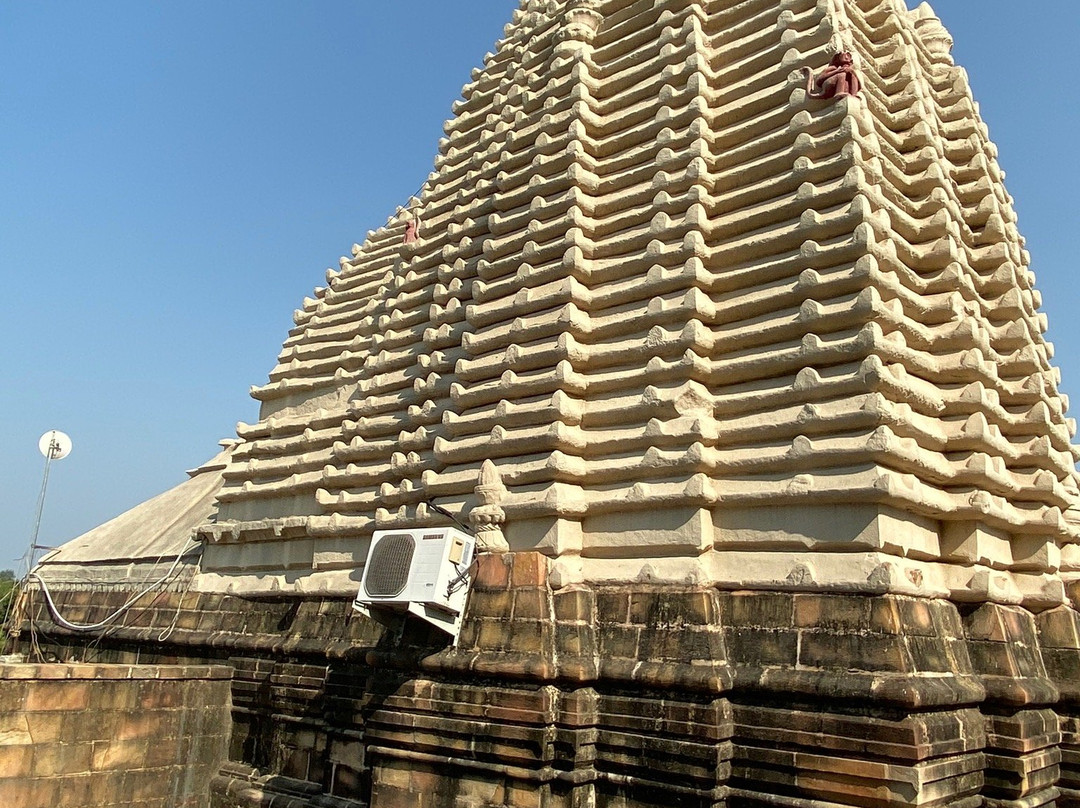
714	323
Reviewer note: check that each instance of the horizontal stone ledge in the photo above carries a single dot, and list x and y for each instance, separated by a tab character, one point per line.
66	671
908	690
305	721
255	788
229	641
1020	691
546	774
759	799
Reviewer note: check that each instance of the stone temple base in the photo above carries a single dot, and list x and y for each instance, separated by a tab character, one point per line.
627	696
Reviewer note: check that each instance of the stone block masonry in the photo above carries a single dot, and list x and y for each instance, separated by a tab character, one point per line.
106	736
635	694
750	386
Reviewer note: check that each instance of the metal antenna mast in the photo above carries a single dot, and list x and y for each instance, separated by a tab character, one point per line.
55	445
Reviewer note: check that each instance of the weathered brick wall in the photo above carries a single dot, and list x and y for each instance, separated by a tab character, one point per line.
628	696
91	736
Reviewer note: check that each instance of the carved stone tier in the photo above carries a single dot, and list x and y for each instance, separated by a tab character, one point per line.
703	327
747	398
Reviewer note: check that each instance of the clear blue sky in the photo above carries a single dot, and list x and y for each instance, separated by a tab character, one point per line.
176	177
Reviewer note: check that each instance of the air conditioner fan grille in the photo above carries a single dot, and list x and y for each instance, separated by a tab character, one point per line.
388	566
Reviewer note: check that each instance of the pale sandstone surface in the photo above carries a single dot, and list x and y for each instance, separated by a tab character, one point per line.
706	329
753	385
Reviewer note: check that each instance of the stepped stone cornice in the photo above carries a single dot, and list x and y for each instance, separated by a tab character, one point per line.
697	325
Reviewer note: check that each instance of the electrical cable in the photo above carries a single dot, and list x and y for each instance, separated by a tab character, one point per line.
430	502
166	633
80	627
115	628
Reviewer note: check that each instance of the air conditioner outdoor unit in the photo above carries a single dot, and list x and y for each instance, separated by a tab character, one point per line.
422	571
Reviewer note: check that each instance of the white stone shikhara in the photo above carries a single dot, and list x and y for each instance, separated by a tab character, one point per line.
705	328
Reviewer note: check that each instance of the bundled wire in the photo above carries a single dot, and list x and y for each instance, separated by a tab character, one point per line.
60	620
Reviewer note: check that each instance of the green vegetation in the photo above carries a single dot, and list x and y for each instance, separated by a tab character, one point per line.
7	586
7	583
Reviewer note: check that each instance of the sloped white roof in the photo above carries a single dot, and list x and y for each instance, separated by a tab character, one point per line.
141	543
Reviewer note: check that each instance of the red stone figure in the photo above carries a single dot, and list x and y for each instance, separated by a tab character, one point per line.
838	80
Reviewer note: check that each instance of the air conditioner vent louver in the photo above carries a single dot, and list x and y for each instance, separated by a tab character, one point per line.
389	565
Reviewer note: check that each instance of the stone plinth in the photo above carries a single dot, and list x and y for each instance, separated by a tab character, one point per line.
633	694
